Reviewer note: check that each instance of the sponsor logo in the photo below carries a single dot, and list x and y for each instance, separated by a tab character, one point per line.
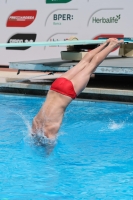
21	18
61	17
58	1
106	20
55	40
21	38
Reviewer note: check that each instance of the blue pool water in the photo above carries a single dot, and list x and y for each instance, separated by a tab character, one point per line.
92	160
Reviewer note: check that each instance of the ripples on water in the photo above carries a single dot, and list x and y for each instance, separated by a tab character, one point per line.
92	158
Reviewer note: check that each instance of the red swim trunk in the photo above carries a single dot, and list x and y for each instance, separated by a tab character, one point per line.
64	86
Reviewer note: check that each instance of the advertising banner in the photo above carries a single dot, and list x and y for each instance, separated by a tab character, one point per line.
53	20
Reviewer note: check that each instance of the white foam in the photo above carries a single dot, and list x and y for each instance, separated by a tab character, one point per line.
115	126
40	139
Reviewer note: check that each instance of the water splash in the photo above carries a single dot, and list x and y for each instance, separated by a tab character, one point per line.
115	126
24	119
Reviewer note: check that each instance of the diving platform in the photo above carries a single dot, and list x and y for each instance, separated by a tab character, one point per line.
112	65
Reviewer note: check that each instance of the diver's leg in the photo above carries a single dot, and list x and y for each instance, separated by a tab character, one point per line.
81	79
85	61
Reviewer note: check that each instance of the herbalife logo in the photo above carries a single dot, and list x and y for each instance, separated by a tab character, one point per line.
106	20
58	1
54	39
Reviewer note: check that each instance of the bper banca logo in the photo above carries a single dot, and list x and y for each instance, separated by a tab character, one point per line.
21	18
21	38
106	20
64	17
61	17
58	1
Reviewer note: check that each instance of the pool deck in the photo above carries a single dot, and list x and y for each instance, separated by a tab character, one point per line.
111	65
113	79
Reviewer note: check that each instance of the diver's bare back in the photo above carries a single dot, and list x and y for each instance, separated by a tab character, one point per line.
49	118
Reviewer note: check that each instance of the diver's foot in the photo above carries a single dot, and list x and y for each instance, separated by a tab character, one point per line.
108	41
114	43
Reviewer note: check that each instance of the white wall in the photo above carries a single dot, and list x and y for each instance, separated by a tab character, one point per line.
85	19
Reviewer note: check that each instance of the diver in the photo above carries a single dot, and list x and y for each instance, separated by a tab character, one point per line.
66	88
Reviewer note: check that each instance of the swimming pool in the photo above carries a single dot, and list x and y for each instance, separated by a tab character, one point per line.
93	157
